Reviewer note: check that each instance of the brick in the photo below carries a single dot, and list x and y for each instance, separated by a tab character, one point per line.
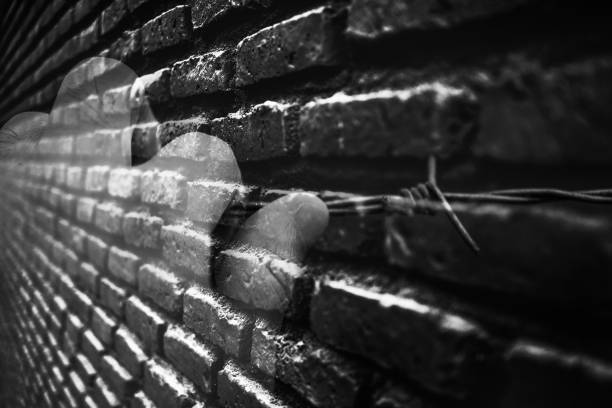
308	40
373	19
124	183
162	288
140	400
67	204
92	348
144	144
79	240
112	16
117	101
202	74
166	387
97	251
170	130
148	325
71	263
442	351
127	46
104	396
85	369
135	4
154	88
217	320
112	297
117	377
169	29
195	360
165	188
108	217
208	200
76	384
142	230
187	248
103	326
96	179
88	278
321	375
74	328
203	12
266	131
123	265
412	122
554	377
129	351
237	389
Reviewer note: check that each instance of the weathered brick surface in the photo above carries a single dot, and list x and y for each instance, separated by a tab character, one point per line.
203	12
162	288
148	325
198	361
202	74
166	387
168	29
304	41
408	122
129	351
187	248
142	230
123	265
217	320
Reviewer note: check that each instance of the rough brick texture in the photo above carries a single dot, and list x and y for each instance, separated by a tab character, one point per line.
139	135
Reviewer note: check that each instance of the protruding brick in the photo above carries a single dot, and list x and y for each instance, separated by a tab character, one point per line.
202	74
123	265
308	40
88	278
413	122
197	361
112	297
166	30
166	387
104	396
113	15
142	230
425	343
154	88
165	188
92	348
320	374
140	400
124	183
162	288
148	325
117	377
217	320
203	11
97	250
103	326
86	370
266	131
129	351
108	217
187	248
170	130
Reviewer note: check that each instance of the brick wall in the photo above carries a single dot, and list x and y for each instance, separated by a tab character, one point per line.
112	286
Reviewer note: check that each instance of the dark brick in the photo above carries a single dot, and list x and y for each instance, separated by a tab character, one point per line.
112	297
103	326
129	351
127	46
162	288
376	18
546	376
195	360
148	325
217	320
117	377
140	400
154	88
442	351
202	74
413	122
307	40
112	16
320	374
203	11
166	30
166	387
144	142
266	131
123	265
